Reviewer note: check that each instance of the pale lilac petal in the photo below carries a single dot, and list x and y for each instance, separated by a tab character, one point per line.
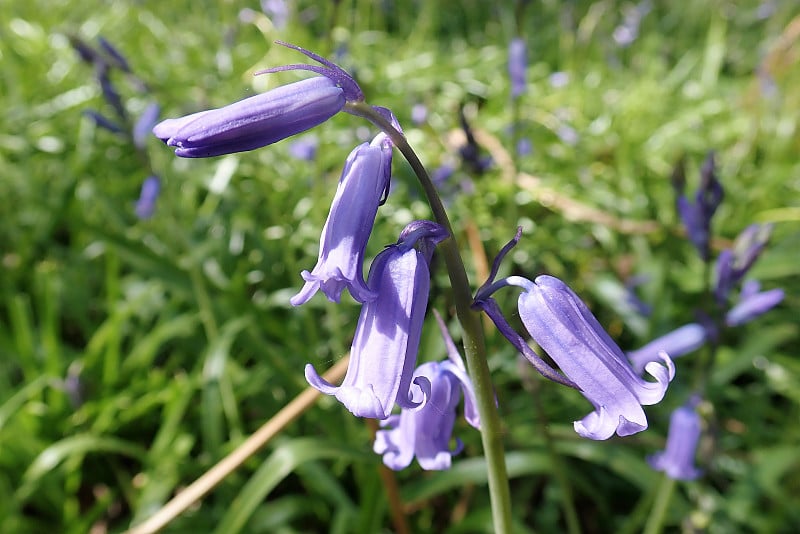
753	306
680	341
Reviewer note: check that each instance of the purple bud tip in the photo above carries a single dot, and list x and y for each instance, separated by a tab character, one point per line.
352	92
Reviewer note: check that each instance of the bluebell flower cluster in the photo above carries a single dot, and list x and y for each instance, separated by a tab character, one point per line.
383	376
106	59
382	373
731	267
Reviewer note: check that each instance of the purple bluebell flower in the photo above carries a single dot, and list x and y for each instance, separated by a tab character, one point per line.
419	114
277	11
558	79
266	118
752	303
679	342
103	121
85	52
633	300
471	151
364	183
696	216
146	205
524	146
563	326
517	63
568	135
384	349
304	148
110	93
627	32
144	125
734	263
677	459
442	173
117	59
425	432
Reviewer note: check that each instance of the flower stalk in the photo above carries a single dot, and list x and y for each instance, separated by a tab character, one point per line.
472	330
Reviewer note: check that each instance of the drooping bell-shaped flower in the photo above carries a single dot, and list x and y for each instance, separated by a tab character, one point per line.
677	459
384	349
680	341
364	182
563	326
426	431
752	303
266	118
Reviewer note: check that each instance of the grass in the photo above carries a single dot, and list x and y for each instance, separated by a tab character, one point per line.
134	354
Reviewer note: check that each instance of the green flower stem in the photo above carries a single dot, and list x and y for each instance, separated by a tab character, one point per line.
559	471
474	344
655	523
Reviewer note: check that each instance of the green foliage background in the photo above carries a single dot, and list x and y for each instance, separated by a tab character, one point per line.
134	354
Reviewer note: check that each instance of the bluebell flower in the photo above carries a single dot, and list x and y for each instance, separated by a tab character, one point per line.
364	183
696	216
110	93
677	459
426	431
384	349
117	59
752	303
558	79
627	32
304	148
563	326
146	205
680	341
145	123
266	118
277	11
524	146
734	263
517	63
419	114
103	121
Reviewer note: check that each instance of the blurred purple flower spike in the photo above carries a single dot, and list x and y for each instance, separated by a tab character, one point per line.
696	216
517	63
